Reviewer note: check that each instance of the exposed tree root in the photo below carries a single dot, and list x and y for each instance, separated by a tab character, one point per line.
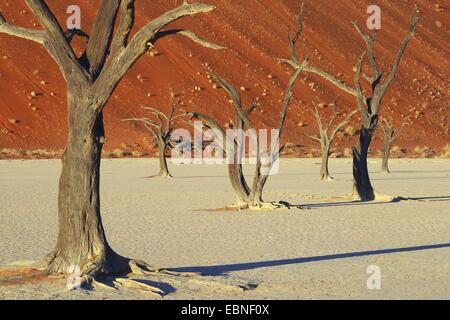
384	197
260	206
267	206
93	277
378	197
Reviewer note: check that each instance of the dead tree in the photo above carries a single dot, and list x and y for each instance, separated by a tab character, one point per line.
161	129
369	107
326	137
251	195
91	80
390	134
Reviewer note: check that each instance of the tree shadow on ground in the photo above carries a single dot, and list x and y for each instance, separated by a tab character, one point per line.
361	203
410	178
223	270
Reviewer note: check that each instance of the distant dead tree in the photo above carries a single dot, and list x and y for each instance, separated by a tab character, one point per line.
390	134
91	80
250	196
326	137
369	107
161	129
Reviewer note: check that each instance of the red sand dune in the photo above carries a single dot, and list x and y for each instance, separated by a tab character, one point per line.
254	32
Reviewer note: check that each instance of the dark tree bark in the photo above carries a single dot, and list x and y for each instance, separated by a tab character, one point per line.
326	137
161	129
91	81
369	107
390	134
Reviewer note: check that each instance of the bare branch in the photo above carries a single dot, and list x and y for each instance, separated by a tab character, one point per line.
359	90
117	66
46	19
288	95
293	41
288	145
334	115
154	111
369	41
210	123
127	15
402	127
235	97
156	135
316	115
144	120
152	127
342	123
314	138
191	35
384	124
331	79
101	35
150	31
252	107
33	35
56	43
408	37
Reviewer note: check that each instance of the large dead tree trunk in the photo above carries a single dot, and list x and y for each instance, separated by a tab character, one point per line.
361	181
91	80
81	239
369	107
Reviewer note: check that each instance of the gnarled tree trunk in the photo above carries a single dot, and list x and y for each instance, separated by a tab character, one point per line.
81	239
362	188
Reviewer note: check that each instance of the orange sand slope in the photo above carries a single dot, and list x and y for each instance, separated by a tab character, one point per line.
255	33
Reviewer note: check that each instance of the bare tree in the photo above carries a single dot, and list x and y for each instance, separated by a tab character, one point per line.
326	137
91	80
390	134
369	107
161	129
250	196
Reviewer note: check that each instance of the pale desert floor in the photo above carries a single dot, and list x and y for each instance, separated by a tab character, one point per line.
323	252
